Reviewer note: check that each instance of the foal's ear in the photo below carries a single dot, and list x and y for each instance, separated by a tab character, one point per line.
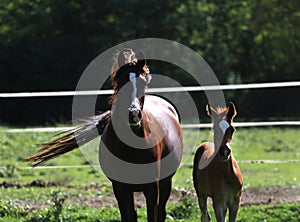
231	112
210	111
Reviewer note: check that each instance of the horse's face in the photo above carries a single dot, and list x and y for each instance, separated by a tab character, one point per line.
223	128
131	80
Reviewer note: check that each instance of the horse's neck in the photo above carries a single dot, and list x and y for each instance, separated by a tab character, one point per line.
217	140
228	167
225	167
119	120
119	106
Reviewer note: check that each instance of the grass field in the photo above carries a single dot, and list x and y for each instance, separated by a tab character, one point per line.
183	212
248	144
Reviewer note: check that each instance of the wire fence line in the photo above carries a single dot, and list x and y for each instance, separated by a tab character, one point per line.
154	90
182	164
36	130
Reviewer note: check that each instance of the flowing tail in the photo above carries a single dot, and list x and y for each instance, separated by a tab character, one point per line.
71	139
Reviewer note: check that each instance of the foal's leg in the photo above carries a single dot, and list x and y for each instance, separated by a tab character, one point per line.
233	209
202	200
125	203
220	209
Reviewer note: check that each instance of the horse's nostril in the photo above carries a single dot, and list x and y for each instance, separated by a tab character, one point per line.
225	152
135	116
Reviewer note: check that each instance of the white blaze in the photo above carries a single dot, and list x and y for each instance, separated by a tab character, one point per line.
224	125
132	78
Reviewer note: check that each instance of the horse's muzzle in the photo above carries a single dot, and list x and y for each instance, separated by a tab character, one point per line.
224	152
135	116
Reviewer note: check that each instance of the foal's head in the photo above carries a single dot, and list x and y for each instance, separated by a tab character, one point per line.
130	77
223	128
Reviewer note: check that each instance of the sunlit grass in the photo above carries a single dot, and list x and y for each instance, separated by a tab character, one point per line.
248	144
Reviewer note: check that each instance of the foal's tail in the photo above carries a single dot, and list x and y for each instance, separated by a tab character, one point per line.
71	139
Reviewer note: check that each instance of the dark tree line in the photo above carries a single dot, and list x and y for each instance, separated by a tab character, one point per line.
46	45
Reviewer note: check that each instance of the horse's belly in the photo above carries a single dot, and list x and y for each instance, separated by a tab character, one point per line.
215	185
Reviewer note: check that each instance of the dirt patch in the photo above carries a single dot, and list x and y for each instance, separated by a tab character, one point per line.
250	196
270	196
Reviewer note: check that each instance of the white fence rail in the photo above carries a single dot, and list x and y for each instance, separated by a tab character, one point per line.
157	90
154	90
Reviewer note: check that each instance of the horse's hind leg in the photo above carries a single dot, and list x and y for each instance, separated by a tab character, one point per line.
126	203
202	200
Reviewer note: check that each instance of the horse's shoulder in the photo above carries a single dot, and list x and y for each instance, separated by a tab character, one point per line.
204	154
236	170
206	145
208	148
159	106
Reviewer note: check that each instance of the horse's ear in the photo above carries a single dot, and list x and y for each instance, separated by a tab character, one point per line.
211	112
231	113
208	110
141	57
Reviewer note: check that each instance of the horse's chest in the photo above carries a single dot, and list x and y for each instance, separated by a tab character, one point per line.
132	155
217	181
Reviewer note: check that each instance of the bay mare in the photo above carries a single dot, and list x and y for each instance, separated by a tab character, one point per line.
141	143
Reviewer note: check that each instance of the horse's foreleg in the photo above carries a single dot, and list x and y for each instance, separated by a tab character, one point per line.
165	188
220	209
233	209
156	201
151	195
202	200
126	203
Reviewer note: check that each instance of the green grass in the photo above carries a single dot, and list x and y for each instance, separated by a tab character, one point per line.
247	144
267	143
186	210
271	175
270	213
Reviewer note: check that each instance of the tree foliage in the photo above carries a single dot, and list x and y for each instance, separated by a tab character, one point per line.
46	44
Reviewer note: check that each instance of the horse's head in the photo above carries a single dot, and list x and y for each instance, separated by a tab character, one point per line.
130	76
223	128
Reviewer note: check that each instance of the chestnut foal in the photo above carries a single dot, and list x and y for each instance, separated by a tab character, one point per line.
216	173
